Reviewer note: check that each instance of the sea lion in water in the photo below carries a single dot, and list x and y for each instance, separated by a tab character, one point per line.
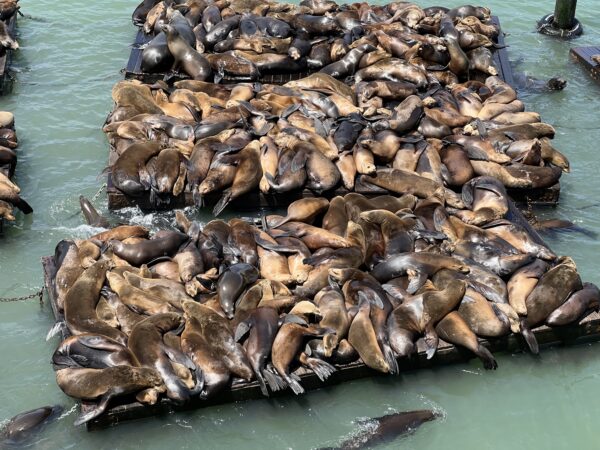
91	215
104	384
454	329
382	430
22	426
577	305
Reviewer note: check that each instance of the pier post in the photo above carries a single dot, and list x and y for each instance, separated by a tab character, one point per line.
562	23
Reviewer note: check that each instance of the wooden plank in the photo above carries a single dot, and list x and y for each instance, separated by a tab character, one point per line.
126	409
583	55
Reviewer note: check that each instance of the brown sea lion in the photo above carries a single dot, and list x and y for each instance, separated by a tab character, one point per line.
303	210
577	305
105	384
192	62
335	316
363	338
404	182
455	330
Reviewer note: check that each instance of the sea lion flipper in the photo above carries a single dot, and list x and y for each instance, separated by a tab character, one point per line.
390	358
99	408
223	202
489	362
23	206
275	382
292	318
293	382
241	330
321	368
529	338
431	340
65	361
416	280
179	357
56	328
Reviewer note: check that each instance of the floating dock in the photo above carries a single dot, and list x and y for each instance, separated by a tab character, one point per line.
125	409
583	55
257	200
6	58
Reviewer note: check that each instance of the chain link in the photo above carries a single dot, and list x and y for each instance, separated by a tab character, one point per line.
99	192
39	294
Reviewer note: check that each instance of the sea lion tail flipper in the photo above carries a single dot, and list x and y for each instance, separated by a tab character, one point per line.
489	362
416	280
24	206
179	357
222	203
390	358
298	161
293	382
56	328
241	330
275	382
431	340
99	408
67	361
199	382
289	110
529	338
321	368
261	383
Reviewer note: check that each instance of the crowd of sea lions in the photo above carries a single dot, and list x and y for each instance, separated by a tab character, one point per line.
186	311
9	192
405	96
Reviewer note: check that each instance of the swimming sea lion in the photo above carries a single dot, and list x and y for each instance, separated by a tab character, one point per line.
22	426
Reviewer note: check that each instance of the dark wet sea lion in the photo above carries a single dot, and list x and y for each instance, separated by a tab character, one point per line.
418	266
262	326
455	330
576	306
125	171
146	343
192	62
385	429
147	250
104	384
91	215
93	352
22	426
552	291
139	13
232	283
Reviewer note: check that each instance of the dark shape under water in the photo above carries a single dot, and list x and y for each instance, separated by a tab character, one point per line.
381	430
21	428
553	226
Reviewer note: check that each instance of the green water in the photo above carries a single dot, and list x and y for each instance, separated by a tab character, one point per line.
71	54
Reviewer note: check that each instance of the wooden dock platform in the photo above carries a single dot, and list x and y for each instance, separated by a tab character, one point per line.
257	200
583	55
6	58
126	409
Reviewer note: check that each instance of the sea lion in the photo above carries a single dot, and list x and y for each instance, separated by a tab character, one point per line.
216	332
287	343
146	343
93	352
262	325
455	330
104	384
519	176
91	215
80	304
382	430
418	267
147	250
125	171
69	268
576	306
335	316
403	182
192	62
419	314
303	210
552	290
362	336
232	283
20	428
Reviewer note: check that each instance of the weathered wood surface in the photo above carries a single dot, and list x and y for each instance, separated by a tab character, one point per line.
583	55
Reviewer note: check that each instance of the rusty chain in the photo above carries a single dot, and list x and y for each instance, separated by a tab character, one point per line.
39	294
